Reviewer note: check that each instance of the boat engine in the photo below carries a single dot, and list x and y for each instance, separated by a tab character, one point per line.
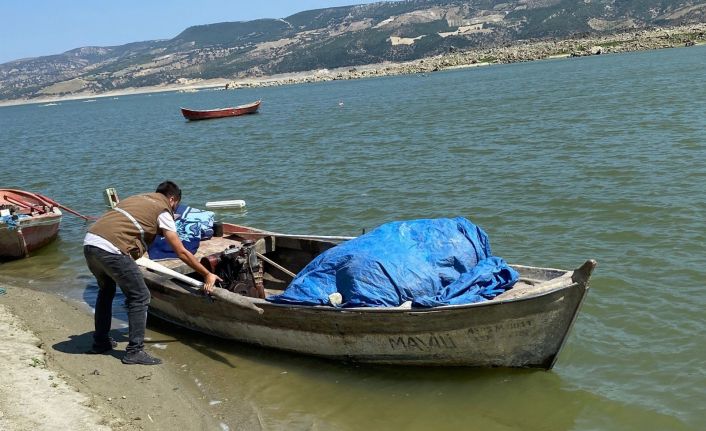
240	269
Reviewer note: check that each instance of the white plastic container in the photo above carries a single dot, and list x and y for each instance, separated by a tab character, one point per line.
236	203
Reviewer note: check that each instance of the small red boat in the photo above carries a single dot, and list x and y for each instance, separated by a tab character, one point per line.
28	221
191	114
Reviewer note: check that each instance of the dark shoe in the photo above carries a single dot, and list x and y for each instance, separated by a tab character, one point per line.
97	349
140	357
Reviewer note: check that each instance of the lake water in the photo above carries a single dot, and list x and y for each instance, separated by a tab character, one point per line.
559	161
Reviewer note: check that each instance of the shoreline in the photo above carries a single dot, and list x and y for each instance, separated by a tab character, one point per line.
523	51
49	382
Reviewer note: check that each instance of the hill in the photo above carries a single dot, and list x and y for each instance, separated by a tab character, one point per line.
349	36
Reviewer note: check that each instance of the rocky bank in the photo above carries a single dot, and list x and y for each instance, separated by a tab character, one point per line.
636	40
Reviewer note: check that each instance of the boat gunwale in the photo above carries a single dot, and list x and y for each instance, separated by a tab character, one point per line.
46	221
454	307
387	310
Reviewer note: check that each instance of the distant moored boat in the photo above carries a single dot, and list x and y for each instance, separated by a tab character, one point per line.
191	114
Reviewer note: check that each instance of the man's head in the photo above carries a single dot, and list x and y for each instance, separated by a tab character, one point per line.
171	191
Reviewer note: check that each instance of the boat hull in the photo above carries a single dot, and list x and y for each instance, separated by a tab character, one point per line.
522	333
30	235
194	115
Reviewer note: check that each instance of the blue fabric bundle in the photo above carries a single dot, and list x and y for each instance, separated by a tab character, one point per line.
429	262
192	225
12	221
9	221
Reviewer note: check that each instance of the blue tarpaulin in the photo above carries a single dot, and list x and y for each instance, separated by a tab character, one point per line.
429	262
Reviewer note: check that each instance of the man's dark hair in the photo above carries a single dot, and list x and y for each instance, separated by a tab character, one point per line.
169	189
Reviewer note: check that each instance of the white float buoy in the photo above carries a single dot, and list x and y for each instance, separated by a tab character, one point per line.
235	203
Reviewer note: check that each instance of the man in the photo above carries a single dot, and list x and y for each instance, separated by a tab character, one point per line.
112	245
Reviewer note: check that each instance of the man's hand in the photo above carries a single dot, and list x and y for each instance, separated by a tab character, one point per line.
185	255
210	282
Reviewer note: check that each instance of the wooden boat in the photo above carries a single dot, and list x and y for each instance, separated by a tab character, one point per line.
192	114
524	327
28	221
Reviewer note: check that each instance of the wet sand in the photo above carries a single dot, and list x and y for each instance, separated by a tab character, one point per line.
48	382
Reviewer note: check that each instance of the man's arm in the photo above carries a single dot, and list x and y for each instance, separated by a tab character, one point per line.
189	259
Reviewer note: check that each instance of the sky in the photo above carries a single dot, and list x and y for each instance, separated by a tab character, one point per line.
33	28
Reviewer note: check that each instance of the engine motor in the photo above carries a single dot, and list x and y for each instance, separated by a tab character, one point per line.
240	269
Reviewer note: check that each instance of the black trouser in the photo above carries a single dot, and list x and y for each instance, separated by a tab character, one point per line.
109	269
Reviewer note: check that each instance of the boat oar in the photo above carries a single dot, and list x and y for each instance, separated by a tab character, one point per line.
87	218
222	294
283	235
27	205
67	209
276	265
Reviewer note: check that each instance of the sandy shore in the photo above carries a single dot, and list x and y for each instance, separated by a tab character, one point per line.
48	382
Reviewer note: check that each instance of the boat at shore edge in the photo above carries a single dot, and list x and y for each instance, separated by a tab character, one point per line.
28	221
525	326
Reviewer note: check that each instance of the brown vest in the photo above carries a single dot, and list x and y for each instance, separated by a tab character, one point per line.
117	227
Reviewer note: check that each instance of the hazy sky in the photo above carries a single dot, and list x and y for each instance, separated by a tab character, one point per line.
32	28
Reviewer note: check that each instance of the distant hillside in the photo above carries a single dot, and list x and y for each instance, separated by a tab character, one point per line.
330	38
